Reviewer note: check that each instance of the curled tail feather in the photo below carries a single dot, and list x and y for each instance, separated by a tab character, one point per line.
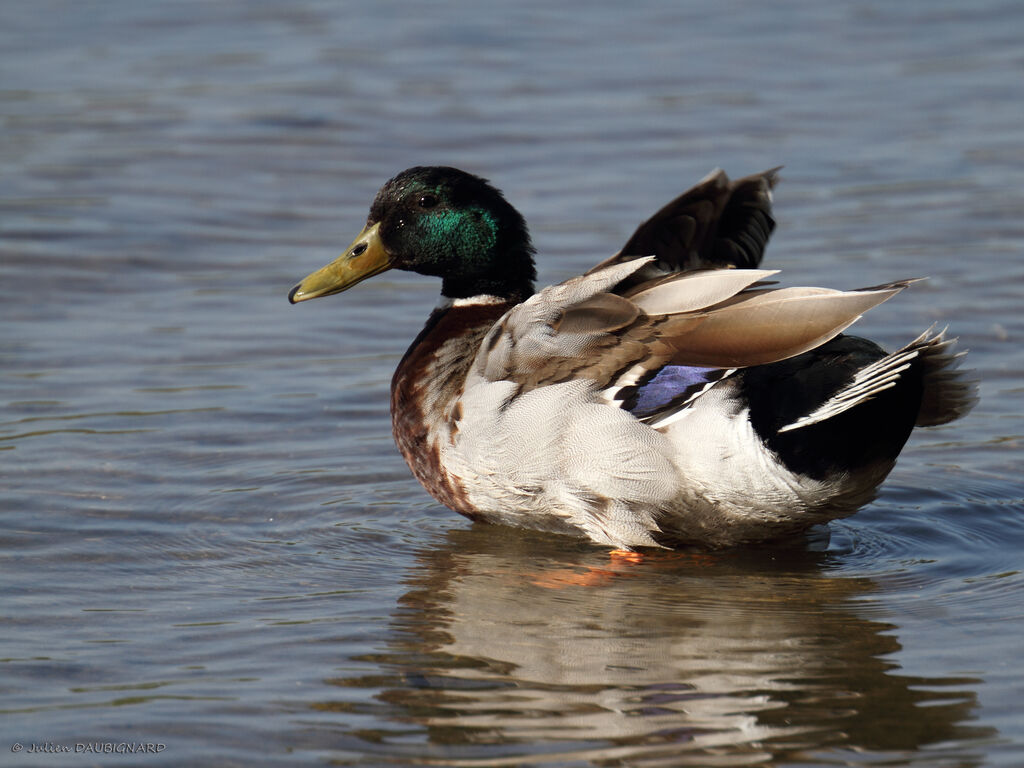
949	393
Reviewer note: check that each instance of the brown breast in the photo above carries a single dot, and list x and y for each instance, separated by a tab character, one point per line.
426	385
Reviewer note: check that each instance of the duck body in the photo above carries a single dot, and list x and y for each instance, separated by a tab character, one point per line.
667	397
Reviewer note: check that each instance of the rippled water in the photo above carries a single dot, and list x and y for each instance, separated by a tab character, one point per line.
209	541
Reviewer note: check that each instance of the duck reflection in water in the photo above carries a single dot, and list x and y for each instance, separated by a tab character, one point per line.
513	648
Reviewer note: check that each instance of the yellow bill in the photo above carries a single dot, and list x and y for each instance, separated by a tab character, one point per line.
365	258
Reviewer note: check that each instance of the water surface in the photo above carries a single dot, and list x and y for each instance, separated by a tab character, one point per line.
209	541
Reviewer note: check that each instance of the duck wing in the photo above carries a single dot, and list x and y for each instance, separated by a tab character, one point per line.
590	328
717	223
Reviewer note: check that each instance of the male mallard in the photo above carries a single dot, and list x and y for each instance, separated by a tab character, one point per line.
666	397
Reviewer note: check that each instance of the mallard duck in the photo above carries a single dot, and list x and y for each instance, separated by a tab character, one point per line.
670	396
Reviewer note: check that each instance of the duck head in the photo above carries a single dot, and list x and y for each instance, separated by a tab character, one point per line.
436	221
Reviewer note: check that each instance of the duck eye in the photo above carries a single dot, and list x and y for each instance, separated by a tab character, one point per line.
427	201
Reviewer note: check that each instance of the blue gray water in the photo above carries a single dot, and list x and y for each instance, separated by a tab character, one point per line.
209	542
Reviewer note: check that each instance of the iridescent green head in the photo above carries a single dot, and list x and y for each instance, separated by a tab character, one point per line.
436	221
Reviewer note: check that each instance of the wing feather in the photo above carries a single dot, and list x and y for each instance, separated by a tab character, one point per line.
717	223
694	290
713	318
765	326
